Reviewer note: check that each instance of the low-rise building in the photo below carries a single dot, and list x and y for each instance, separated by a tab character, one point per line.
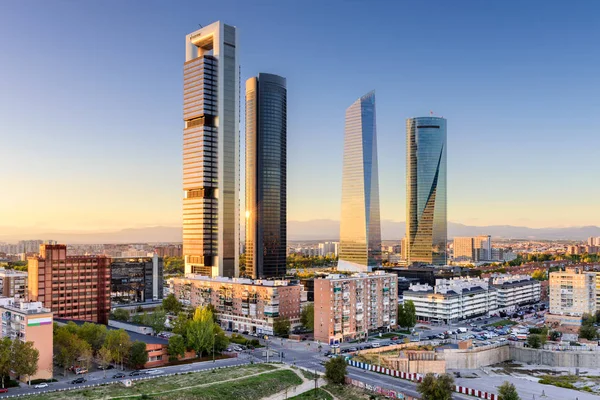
243	304
348	307
13	283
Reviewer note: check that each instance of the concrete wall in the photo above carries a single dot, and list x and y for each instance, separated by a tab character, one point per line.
569	359
476	358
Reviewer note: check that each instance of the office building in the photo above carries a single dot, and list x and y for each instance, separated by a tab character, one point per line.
211	151
266	166
13	283
73	287
136	280
348	307
426	222
30	322
476	249
572	292
243	304
360	228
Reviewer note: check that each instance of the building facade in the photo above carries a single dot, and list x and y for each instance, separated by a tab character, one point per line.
572	292
13	283
516	290
243	304
426	220
266	176
348	307
360	227
211	151
169	251
136	280
478	248
30	322
73	287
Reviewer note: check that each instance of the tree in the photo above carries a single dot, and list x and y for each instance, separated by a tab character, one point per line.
171	304
5	358
204	314
173	265
507	391
213	310
118	342
281	326
410	314
539	275
199	334
25	359
221	340
534	341
93	334
68	347
401	318
555	336
176	347
156	320
120	314
180	324
86	355
588	332
138	356
432	388
104	358
335	371
307	318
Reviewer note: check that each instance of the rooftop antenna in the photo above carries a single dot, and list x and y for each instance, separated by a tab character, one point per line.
200	26
431	113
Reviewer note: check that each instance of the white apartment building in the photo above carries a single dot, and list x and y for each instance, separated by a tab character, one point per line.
515	290
572	292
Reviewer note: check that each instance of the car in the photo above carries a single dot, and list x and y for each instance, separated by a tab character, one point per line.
78	380
118	376
41	385
376	344
327	353
109	366
3	390
138	373
395	338
353	349
245	332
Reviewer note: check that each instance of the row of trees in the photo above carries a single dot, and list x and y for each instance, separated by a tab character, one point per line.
588	330
18	357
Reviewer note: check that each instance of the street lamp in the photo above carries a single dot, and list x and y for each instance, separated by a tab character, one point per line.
214	336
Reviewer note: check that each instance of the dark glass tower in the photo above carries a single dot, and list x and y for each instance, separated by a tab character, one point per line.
426	222
266	194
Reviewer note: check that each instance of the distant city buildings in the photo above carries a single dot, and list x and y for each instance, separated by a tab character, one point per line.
169	251
426	220
266	166
593	241
349	307
360	228
136	280
478	248
211	151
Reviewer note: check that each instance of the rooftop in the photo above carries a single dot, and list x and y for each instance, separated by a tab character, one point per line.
239	281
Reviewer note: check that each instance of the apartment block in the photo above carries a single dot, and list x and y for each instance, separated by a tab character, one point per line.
516	290
572	292
30	322
73	287
243	304
348	307
13	283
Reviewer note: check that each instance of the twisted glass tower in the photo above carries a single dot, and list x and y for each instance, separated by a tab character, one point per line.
426	223
360	228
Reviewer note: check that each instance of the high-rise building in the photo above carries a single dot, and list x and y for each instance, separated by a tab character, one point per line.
73	287
360	228
266	166
463	249
426	222
572	292
478	248
211	151
136	280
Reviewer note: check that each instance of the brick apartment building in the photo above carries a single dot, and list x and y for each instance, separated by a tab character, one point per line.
13	283
348	307
73	287
243	304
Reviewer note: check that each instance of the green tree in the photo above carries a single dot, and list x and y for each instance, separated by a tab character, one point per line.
307	318
507	391
176	347
554	336
118	342
120	314
138	356
25	359
539	275
589	332
214	312
180	324
68	347
335	371
173	265
203	314
171	305
93	334
534	341
104	358
281	326
221	340
5	358
410	314
436	388
199	331
401	315
156	320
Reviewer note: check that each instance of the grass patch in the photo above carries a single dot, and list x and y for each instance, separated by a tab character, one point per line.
503	322
351	393
307	374
314	394
563	381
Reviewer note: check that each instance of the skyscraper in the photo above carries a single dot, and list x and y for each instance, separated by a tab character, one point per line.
426	223
266	195
211	151
360	229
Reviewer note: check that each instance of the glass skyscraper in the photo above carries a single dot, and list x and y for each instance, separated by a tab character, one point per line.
266	166
426	222
360	228
211	152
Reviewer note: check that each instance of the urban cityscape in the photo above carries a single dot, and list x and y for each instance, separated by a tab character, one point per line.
256	289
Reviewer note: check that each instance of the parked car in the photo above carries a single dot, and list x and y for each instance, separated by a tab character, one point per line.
109	366
118	376
353	349
80	371
41	385
395	338
78	380
376	344
3	390
137	373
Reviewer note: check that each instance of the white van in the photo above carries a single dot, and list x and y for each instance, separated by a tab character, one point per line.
376	344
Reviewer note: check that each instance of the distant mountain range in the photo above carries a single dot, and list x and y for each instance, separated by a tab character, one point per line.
322	229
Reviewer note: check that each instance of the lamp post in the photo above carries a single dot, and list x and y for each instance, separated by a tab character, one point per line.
214	336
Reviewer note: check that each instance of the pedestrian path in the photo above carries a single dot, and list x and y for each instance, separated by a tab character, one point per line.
307	384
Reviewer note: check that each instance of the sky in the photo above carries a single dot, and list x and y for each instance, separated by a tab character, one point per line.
91	104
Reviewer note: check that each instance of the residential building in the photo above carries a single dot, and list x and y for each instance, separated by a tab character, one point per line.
426	220
73	287
136	280
169	251
13	283
266	177
360	227
476	249
348	307
211	151
30	322
463	249
329	249
243	304
572	292
516	290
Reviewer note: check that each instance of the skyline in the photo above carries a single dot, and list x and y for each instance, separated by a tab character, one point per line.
523	112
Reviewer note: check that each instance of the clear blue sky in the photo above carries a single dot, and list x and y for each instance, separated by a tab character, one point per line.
91	104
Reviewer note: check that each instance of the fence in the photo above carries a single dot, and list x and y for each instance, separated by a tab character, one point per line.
562	347
392	394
